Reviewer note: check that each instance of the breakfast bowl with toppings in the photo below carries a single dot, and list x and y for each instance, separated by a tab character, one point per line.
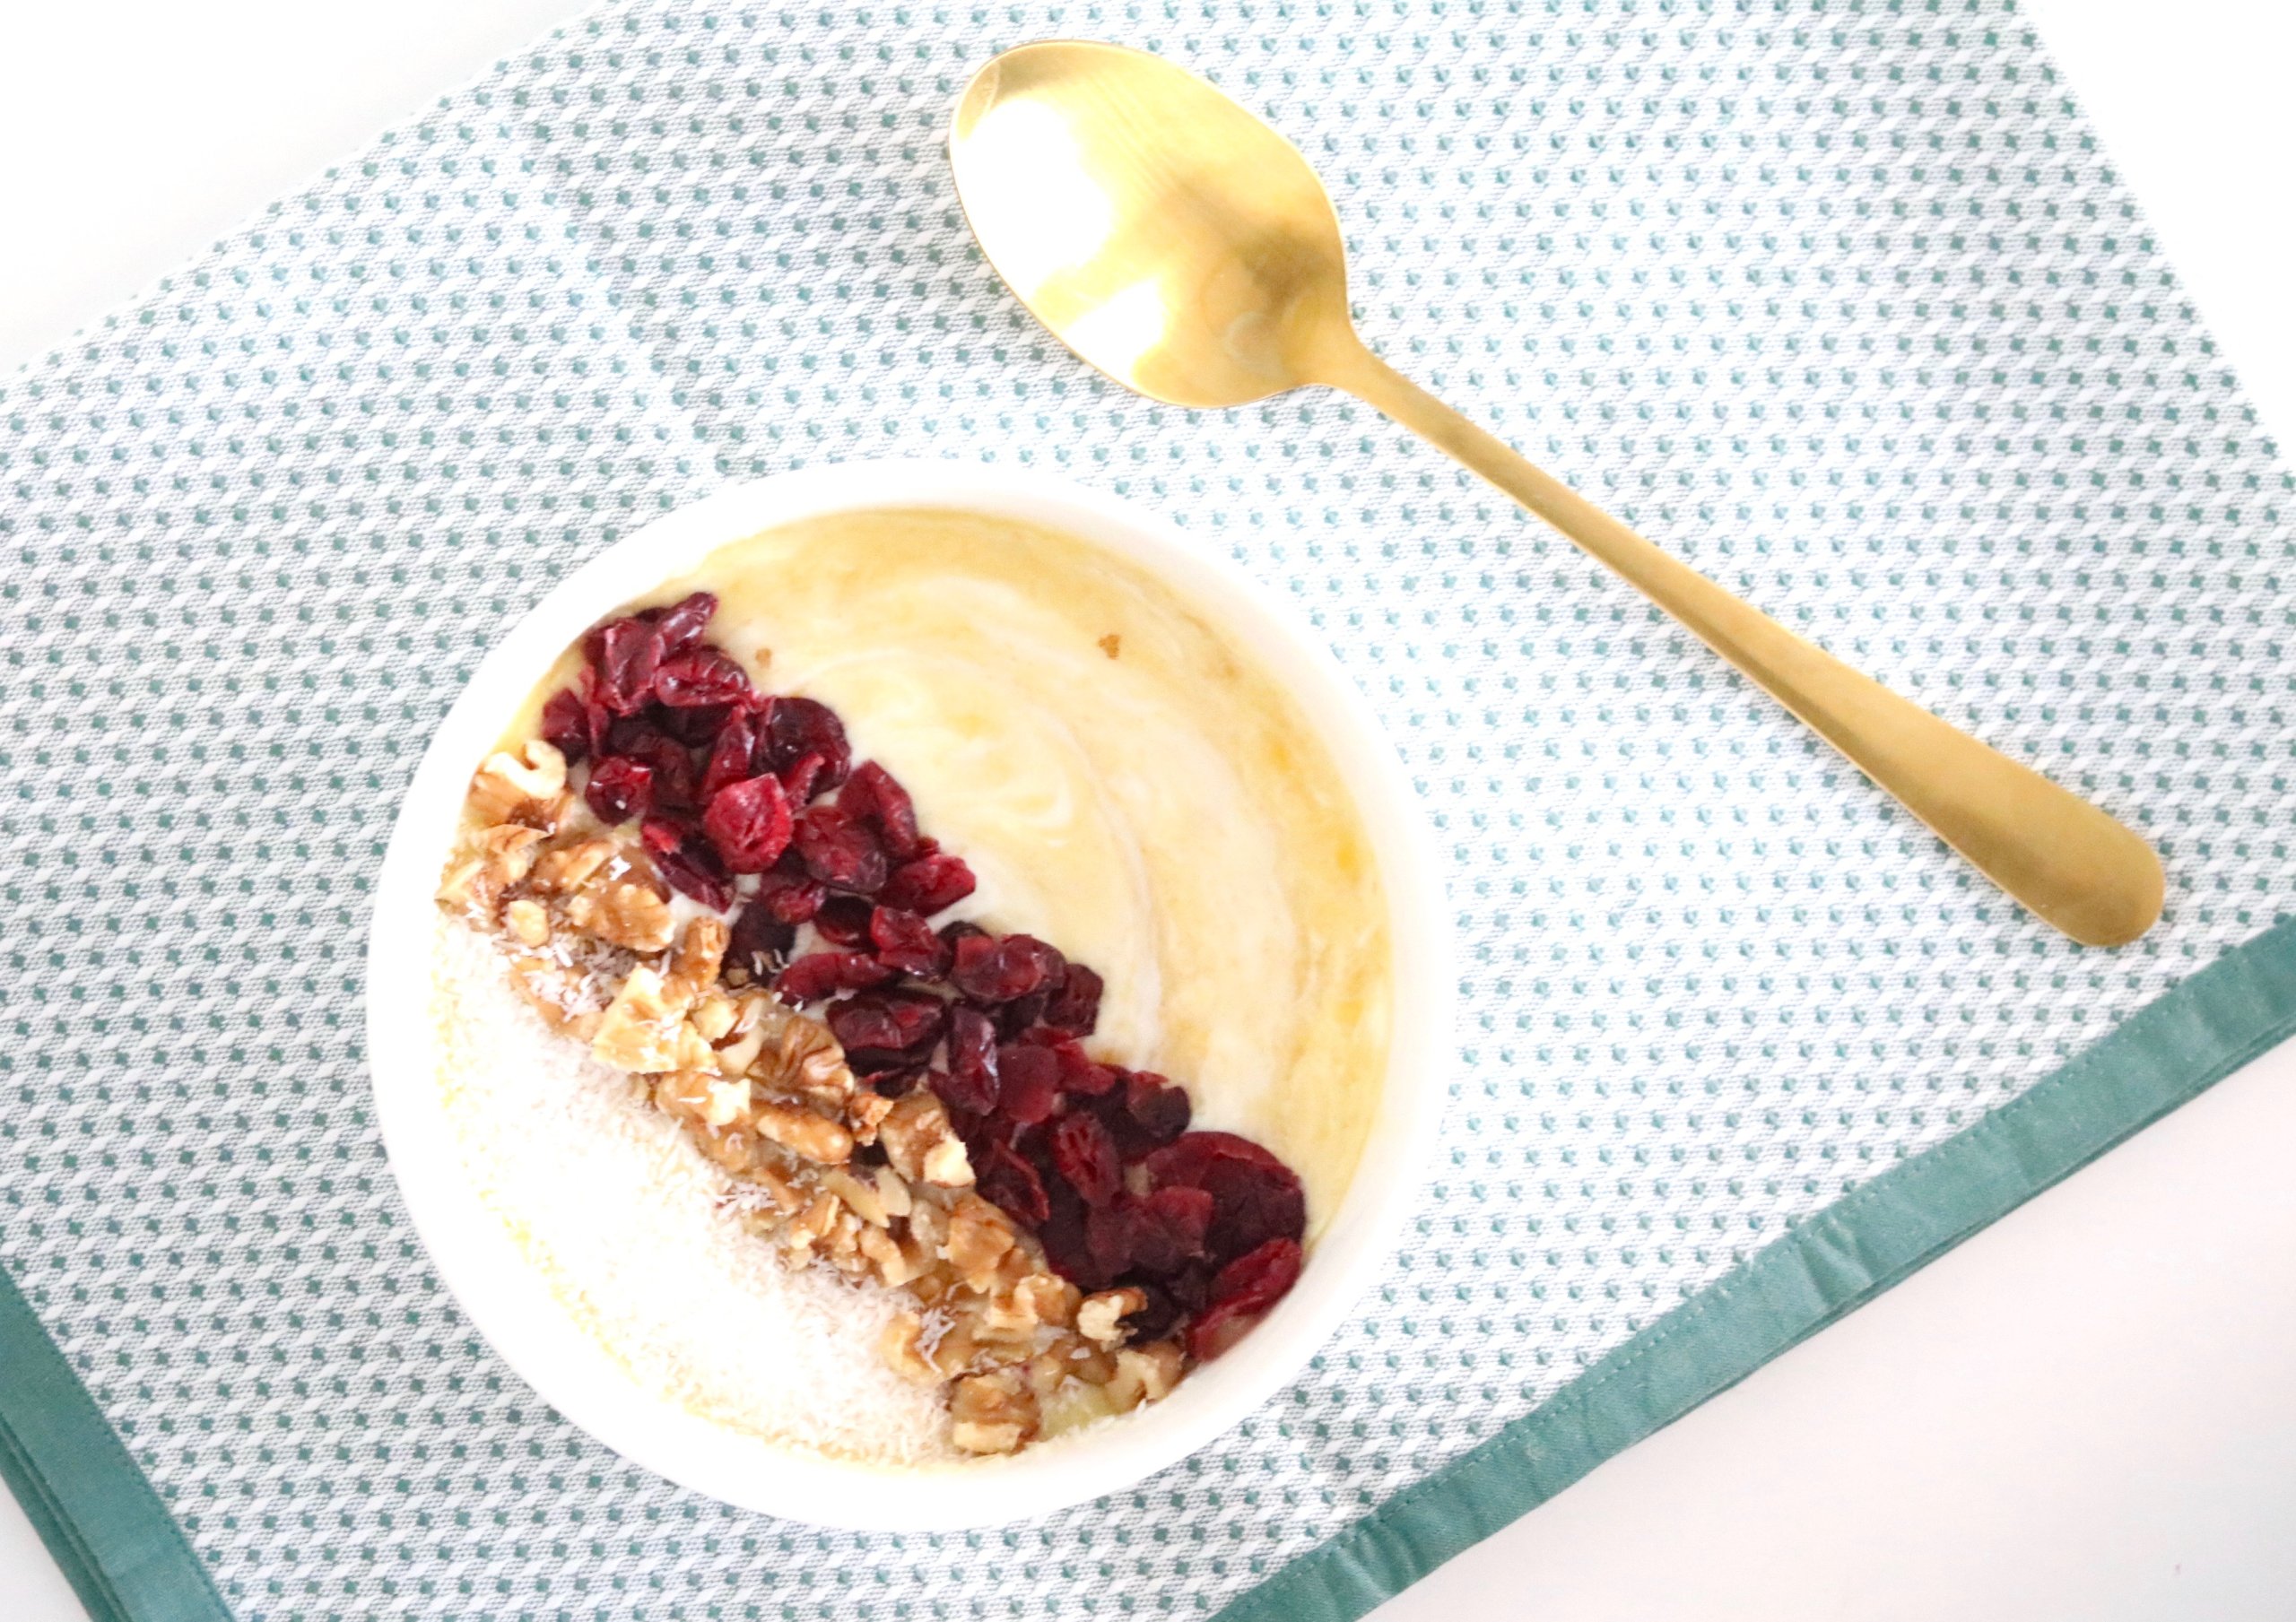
908	995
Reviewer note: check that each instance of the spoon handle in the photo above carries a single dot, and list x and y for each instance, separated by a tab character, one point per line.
2070	862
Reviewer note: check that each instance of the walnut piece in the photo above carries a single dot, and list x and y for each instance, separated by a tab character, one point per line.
562	870
995	1412
626	914
1100	1319
1144	1373
509	849
899	1346
804	1134
922	1145
979	1235
507	784
694	967
527	922
640	1031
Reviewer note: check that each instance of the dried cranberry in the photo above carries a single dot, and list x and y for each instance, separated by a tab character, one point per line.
1255	1197
1079	1074
844	921
972	1058
749	823
729	758
662	834
800	781
1108	1237
1011	1185
687	864
872	795
679	626
897	1083
695	728
1062	1234
816	975
1157	1317
1075	1007
566	726
840	852
619	789
1158	1110
974	1083
1188	1160
893	1021
790	893
798	727
1016	1018
1240	1292
1254	1204
908	942
989	970
674	779
1169	1228
929	884
1084	1153
704	678
1030	1079
596	713
1191	1287
760	942
625	655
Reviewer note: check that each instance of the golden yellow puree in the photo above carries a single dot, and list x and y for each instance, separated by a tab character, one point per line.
1163	814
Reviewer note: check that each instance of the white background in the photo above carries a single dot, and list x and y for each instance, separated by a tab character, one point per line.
2088	1411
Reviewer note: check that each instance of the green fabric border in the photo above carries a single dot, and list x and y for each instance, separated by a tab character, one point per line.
120	1549
1869	1240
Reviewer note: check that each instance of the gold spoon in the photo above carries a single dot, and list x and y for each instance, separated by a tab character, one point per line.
1187	251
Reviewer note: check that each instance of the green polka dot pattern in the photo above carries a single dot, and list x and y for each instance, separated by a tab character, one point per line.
1839	300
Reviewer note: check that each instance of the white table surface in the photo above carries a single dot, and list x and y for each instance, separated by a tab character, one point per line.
2088	1411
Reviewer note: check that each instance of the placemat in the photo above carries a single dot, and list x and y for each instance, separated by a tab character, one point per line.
1839	300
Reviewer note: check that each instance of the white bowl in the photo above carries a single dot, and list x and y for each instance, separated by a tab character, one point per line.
516	1311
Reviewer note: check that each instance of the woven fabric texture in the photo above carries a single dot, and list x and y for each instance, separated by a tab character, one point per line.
1838	300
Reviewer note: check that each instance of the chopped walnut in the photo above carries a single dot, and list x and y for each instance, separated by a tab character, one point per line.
1038	1301
893	1193
811	1225
1144	1373
629	914
1053	1298
694	967
563	870
859	1197
922	1145
528	923
713	1015
805	1134
509	850
638	1032
1100	1319
507	784
899	1346
731	1146
979	1235
995	1412
894	1262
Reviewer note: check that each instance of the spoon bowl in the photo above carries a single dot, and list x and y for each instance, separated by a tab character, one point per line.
1193	254
1175	241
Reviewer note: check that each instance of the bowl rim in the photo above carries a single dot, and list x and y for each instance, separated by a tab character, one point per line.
513	1309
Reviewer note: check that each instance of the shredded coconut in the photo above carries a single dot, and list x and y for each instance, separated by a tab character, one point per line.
638	1237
